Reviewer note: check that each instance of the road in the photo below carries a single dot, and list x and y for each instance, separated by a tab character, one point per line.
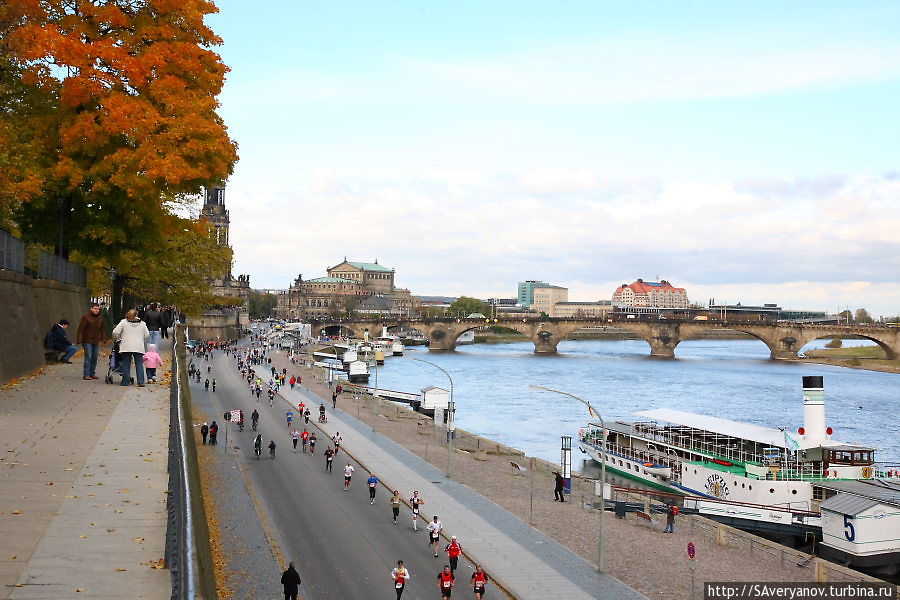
343	546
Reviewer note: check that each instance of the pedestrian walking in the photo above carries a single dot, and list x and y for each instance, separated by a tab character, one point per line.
152	361
395	505
213	432
479	581
295	437
329	459
91	333
133	334
204	431
290	579
671	512
446	581
434	534
416	504
334	399
453	550
348	474
372	482
399	574
559	488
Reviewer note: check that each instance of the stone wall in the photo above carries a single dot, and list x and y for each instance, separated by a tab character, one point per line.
215	326
30	308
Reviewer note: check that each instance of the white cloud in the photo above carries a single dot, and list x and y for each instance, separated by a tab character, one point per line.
458	233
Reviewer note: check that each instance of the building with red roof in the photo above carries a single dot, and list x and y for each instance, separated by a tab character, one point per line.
649	294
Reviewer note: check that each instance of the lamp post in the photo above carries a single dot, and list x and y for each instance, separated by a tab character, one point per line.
451	414
594	411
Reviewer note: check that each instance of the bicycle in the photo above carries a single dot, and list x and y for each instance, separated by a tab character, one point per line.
258	451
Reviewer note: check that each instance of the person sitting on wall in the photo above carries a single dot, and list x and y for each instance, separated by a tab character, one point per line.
57	340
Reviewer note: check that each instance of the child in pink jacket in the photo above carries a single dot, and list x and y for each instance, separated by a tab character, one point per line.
152	361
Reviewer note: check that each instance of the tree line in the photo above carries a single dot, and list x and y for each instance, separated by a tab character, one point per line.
109	131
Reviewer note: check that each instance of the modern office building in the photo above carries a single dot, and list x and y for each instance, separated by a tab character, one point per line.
526	292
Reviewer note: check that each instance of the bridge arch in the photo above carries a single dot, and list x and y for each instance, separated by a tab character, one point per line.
889	352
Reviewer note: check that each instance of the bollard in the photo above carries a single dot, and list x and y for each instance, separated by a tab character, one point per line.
821	571
721	536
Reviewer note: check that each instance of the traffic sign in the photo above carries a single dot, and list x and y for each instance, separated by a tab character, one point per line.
692	551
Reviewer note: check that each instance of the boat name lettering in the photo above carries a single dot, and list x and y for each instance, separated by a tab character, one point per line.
716	486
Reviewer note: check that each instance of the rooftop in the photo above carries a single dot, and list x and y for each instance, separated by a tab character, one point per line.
369	266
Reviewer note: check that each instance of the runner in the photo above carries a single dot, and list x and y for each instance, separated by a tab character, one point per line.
400	574
337	439
479	580
254	418
295	437
395	505
434	534
348	474
453	550
446	581
416	503
329	458
312	443
306	417
290	417
372	482
305	437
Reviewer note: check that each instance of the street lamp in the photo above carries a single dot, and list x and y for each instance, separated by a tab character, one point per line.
594	411
451	414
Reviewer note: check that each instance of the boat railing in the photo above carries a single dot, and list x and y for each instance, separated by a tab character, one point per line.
887	470
642	456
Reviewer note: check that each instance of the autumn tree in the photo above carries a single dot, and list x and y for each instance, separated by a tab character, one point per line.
262	304
119	121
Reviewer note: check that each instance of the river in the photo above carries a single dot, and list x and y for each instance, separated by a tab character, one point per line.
733	379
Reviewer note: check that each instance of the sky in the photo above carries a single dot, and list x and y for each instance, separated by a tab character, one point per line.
746	151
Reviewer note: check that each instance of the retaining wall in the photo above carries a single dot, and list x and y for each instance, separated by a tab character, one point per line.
29	308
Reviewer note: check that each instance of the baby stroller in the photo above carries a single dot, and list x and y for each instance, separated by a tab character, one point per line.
115	365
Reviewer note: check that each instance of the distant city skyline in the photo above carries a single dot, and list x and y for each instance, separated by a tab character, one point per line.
747	153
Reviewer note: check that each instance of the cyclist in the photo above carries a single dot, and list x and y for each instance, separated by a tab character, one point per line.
272	448
254	418
257	444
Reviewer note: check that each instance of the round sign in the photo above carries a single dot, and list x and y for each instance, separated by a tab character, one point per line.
692	551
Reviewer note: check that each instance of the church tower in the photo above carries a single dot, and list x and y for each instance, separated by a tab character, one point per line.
214	211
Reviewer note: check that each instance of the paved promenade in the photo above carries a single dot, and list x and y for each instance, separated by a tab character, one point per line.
83	487
526	562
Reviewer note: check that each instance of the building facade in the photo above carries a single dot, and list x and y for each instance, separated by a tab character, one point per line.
349	287
526	292
546	297
582	310
650	294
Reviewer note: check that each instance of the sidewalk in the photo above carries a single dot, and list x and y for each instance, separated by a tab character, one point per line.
526	562
83	490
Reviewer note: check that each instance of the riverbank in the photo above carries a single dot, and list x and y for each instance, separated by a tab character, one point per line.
604	333
871	358
636	551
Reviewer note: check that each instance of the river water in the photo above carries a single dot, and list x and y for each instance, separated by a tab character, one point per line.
733	379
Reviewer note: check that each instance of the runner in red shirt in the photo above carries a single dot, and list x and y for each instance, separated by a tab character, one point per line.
446	581
305	439
400	574
479	580
453	551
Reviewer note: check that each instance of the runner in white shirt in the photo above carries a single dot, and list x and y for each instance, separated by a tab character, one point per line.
348	473
400	575
415	502
295	436
434	534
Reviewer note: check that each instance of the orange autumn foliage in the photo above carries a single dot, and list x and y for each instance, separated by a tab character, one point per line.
133	86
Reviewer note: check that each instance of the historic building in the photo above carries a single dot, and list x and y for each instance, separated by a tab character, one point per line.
349	287
649	294
214	211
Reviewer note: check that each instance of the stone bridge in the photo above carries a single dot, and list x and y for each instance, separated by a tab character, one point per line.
783	339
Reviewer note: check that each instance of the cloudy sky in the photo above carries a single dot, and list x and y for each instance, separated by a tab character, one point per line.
745	151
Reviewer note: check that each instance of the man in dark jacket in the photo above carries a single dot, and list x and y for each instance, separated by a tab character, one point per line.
58	340
290	579
154	320
91	333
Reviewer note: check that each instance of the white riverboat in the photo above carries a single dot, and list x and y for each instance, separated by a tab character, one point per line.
358	372
750	476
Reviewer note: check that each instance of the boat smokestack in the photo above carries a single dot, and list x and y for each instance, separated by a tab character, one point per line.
814	409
